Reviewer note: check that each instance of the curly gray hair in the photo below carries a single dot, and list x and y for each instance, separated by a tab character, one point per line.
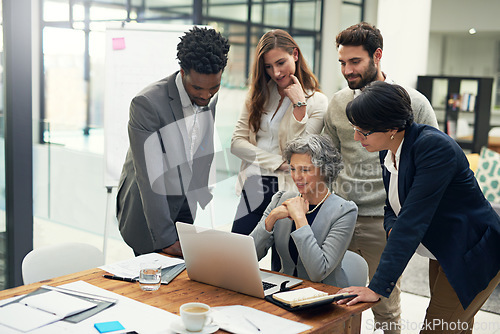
323	154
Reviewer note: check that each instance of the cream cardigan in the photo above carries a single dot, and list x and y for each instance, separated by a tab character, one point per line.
244	140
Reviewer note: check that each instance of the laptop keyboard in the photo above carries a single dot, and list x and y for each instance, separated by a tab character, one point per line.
268	285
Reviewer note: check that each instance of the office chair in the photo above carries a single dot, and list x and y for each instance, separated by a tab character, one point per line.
58	260
355	268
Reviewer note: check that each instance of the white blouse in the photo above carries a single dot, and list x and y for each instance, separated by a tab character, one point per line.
268	134
393	195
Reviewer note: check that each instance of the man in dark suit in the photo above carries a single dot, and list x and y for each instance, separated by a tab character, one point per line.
171	126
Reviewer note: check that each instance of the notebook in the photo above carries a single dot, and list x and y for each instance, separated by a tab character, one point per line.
300	296
307	296
227	260
39	309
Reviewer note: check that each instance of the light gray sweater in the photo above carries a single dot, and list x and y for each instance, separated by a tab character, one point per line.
361	179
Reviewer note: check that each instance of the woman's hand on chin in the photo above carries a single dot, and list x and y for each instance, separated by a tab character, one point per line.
294	91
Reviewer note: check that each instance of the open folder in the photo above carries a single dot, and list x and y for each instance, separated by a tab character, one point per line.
50	304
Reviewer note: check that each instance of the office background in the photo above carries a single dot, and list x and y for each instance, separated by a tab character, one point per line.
51	125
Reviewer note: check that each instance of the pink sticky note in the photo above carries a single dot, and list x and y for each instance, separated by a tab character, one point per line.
118	43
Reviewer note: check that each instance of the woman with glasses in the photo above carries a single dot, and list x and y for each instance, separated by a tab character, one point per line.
284	102
434	207
311	228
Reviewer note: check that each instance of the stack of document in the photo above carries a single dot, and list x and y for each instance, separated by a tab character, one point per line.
130	268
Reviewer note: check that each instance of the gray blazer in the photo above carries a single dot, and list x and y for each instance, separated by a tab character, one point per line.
157	177
321	246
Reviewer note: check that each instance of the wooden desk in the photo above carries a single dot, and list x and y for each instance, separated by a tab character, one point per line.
326	319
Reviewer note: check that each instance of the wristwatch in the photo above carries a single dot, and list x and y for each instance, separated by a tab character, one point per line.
300	104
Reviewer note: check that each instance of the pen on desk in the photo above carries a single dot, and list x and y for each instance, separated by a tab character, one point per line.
251	323
118	278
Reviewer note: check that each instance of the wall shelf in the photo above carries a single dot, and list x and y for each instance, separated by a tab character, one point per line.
444	91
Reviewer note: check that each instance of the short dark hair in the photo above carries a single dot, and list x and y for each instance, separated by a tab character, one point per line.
203	50
364	34
381	107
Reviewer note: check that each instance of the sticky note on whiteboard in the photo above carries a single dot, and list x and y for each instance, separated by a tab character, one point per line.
118	43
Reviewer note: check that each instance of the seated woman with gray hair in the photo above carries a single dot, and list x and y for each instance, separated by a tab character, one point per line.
311	229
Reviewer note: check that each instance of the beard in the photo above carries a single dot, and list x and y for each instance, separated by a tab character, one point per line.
366	77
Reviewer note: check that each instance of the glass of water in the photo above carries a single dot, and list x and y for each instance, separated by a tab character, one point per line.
150	276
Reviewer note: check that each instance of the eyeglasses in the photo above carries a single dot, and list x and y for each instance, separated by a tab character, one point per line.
365	134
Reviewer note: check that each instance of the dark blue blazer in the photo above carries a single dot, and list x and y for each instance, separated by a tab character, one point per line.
443	208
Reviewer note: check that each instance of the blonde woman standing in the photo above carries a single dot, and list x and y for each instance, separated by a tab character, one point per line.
284	102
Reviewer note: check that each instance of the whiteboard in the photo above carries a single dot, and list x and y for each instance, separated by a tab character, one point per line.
137	54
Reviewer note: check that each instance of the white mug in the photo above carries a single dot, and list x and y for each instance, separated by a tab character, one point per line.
195	316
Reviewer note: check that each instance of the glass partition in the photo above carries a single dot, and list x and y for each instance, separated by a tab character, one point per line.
350	14
307	15
64	67
277	14
233	11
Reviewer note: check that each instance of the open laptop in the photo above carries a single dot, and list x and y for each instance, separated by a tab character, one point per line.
227	260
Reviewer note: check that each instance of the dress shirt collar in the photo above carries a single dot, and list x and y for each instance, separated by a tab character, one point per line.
185	100
187	105
389	163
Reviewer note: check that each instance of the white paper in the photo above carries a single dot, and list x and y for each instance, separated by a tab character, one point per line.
130	268
247	320
58	303
133	315
41	309
24	318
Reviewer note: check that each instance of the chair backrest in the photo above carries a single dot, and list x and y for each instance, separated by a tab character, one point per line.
496	207
473	161
58	260
355	268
